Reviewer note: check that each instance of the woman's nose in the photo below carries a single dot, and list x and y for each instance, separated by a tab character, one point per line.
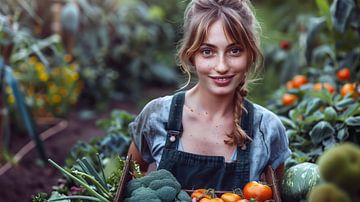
221	66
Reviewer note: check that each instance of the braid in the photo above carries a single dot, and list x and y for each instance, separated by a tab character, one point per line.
238	136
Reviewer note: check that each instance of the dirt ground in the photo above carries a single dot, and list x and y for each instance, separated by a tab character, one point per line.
29	177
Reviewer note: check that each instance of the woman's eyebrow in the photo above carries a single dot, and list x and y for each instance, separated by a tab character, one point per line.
213	46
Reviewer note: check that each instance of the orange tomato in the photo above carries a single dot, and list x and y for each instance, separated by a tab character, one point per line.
199	194
327	86
289	99
343	74
230	197
289	85
258	191
211	200
299	80
349	88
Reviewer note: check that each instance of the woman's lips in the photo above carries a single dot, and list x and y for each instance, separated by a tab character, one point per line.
222	80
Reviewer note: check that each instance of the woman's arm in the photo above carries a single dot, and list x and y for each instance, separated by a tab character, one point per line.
136	156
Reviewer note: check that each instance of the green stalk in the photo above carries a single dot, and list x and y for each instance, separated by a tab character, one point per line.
92	179
75	197
86	186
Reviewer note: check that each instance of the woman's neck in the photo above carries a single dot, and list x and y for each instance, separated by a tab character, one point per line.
211	105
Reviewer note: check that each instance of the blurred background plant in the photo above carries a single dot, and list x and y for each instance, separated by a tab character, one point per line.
319	99
122	46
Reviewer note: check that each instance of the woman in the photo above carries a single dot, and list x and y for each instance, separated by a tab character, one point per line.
210	136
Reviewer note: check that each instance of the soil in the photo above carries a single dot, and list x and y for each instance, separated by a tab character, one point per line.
29	177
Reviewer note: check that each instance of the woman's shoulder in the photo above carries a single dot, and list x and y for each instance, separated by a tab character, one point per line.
265	115
157	107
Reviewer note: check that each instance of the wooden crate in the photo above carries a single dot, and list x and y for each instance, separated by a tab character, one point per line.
268	176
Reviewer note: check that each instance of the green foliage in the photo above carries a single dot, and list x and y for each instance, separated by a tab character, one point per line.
323	114
126	41
115	142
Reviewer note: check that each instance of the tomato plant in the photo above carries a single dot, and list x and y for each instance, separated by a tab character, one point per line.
258	191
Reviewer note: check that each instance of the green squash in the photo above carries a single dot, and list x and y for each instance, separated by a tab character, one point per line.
298	182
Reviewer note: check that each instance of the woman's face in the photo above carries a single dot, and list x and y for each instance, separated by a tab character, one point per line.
220	63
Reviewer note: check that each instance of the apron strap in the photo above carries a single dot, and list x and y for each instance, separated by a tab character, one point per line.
174	125
247	120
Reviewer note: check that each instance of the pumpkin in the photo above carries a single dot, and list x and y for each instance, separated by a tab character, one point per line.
298	181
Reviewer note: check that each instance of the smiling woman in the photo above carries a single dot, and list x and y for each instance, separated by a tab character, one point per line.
210	136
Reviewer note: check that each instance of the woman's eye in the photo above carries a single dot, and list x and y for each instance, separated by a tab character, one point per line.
206	52
235	51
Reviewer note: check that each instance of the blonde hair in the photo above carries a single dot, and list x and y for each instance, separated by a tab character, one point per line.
241	26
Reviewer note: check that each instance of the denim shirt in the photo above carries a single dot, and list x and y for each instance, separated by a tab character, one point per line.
270	145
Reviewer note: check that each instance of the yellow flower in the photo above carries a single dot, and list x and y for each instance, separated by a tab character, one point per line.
74	76
8	90
43	76
56	99
39	67
11	99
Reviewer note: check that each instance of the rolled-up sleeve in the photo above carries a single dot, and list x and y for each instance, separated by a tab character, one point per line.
279	143
140	129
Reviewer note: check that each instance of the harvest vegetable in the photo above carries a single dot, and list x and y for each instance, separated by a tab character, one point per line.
298	181
158	185
258	191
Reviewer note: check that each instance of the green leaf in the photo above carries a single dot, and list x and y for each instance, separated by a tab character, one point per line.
344	103
330	114
340	12
324	8
353	121
287	122
321	131
350	111
26	115
343	134
315	24
312	106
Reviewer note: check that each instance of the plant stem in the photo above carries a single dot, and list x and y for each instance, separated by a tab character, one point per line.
103	199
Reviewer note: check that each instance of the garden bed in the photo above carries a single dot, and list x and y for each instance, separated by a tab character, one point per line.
29	176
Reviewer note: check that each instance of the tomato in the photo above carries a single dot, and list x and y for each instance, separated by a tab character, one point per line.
230	197
349	88
299	80
199	194
343	74
285	44
289	99
257	191
211	200
327	86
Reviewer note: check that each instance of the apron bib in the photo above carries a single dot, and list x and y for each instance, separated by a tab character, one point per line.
195	171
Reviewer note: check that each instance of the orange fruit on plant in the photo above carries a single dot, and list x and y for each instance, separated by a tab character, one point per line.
299	80
289	85
258	191
327	86
289	99
349	88
343	74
